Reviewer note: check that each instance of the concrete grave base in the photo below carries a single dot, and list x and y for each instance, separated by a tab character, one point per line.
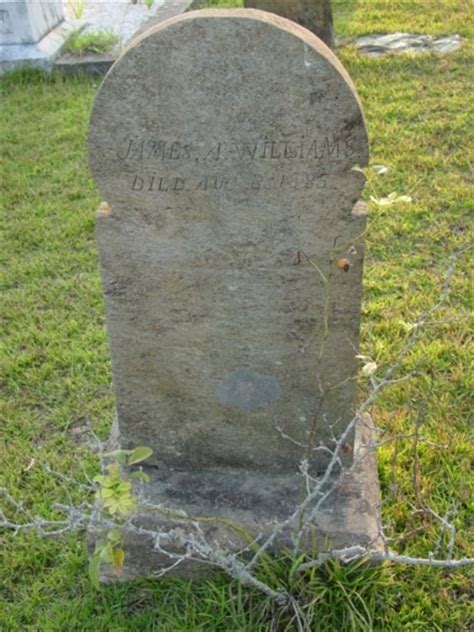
40	54
229	503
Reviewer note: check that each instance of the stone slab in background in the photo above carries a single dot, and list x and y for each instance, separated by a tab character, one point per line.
376	45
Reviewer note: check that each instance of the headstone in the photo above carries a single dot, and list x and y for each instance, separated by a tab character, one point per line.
31	33
231	243
315	15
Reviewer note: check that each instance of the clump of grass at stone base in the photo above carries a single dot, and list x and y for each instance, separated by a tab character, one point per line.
79	43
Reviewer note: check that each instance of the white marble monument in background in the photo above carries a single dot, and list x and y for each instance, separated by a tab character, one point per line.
32	33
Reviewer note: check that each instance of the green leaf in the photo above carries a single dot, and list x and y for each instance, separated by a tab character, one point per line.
118	560
99	545
140	475
295	566
114	470
139	454
126	505
123	487
120	456
107	553
110	481
94	568
112	505
114	535
110	502
115	453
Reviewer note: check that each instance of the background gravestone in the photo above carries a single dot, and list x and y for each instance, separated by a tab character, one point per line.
223	144
315	15
31	33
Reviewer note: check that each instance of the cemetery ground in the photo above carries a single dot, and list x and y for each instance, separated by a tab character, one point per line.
57	382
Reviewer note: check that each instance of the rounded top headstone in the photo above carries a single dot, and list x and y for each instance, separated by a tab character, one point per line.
223	144
235	103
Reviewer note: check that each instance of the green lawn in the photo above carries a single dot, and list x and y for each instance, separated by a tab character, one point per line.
56	371
361	17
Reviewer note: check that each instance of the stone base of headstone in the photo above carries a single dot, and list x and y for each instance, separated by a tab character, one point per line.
91	64
40	54
229	504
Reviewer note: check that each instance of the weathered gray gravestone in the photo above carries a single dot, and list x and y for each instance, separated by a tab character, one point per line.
315	15
231	244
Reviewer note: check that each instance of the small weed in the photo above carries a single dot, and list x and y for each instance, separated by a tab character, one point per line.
80	43
77	7
117	499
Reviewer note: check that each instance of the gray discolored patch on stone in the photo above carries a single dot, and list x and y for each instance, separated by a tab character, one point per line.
407	43
248	390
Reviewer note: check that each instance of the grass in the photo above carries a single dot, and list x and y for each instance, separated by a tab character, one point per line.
353	18
436	17
80	43
57	372
77	8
